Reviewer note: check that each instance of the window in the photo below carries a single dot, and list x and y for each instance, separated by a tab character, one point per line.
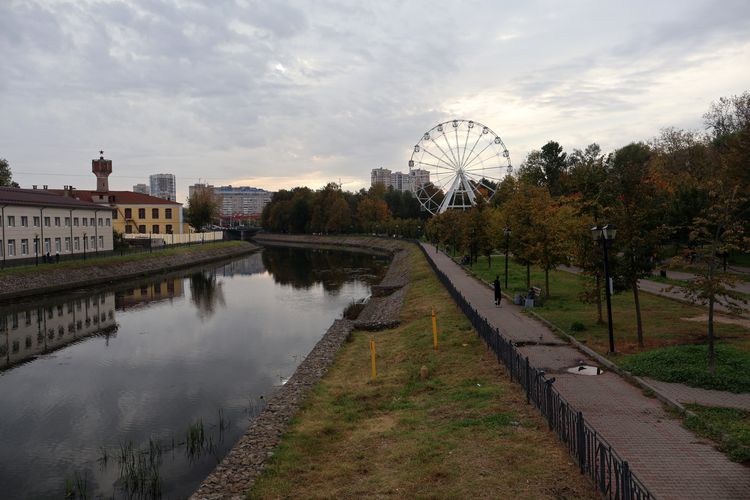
67	244
169	228
46	222
75	221
57	221
101	221
24	221
167	213
101	242
11	221
128	229
154	213
93	222
106	221
76	243
1	254
141	213
58	245
85	221
47	245
67	221
36	221
142	229
24	247
93	242
114	213
36	245
128	213
11	248
155	229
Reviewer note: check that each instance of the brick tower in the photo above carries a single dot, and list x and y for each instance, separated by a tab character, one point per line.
101	168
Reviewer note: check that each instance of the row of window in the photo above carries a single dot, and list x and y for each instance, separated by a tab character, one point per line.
91	244
14	320
35	220
142	213
142	229
72	327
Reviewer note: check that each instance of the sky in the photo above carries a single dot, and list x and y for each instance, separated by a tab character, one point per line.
277	94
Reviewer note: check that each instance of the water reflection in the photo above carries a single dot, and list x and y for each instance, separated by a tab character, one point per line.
206	293
129	368
30	331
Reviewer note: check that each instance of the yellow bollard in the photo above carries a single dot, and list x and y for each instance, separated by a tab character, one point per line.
434	329
372	357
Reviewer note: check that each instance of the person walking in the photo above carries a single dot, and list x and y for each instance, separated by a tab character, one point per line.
498	292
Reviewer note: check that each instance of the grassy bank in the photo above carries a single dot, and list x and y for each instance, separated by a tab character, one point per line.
465	431
728	427
115	259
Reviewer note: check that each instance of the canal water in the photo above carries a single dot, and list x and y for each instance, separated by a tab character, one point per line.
139	390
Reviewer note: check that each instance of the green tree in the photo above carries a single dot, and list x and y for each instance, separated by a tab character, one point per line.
6	176
637	211
546	168
203	208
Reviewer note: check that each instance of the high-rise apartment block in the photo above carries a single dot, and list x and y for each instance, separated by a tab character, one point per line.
163	186
399	181
237	203
142	188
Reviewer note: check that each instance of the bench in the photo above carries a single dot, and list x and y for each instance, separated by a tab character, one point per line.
537	300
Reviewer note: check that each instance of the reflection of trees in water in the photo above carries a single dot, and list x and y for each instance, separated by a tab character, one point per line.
303	268
206	293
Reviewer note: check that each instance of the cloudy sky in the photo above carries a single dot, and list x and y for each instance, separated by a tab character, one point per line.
276	94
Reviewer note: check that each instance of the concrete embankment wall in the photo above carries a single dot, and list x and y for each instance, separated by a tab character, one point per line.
50	280
245	461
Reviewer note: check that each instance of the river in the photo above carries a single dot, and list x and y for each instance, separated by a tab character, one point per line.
139	389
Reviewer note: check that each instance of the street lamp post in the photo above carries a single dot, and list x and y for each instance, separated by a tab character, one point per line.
605	235
36	249
84	246
506	232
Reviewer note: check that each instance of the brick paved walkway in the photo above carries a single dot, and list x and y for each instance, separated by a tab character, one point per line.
671	461
705	397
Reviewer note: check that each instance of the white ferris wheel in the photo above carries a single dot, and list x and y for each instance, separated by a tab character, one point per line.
457	162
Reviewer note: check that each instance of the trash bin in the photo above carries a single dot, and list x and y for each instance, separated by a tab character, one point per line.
518	299
663	273
529	303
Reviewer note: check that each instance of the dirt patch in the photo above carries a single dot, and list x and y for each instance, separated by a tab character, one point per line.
703	318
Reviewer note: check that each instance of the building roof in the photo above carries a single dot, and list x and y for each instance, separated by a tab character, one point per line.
41	197
120	197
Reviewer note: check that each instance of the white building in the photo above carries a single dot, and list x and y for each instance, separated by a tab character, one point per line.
35	223
237	202
163	186
399	181
142	189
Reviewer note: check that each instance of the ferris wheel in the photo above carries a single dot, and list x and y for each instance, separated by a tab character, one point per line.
455	163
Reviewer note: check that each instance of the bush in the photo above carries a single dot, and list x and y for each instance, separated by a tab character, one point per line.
577	326
353	309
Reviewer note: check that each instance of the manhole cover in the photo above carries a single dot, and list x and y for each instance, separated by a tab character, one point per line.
586	370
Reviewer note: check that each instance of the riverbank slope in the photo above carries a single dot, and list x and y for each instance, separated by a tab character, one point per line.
50	278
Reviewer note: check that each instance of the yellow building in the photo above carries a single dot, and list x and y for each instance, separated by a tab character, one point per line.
132	213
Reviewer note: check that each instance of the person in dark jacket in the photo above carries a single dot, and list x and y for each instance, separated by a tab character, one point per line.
498	292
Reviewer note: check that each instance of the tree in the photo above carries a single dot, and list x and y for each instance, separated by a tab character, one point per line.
6	176
203	208
546	168
637	212
371	213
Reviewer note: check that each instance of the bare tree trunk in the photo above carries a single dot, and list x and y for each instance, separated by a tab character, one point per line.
546	281
711	352
638	319
599	299
528	276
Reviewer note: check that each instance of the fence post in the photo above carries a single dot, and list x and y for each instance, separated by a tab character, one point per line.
625	477
581	442
528	382
548	383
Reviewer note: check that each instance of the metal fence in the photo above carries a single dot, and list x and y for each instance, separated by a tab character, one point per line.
594	456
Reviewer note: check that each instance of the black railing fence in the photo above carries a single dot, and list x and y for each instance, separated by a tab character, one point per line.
594	456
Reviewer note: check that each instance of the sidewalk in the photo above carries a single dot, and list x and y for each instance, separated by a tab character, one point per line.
670	460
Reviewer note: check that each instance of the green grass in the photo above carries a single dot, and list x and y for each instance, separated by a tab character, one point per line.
662	317
463	432
688	364
728	427
113	259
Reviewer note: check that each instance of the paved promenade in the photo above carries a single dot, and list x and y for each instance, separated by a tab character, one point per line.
671	461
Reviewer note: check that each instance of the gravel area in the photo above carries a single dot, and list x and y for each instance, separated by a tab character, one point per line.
50	280
234	476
